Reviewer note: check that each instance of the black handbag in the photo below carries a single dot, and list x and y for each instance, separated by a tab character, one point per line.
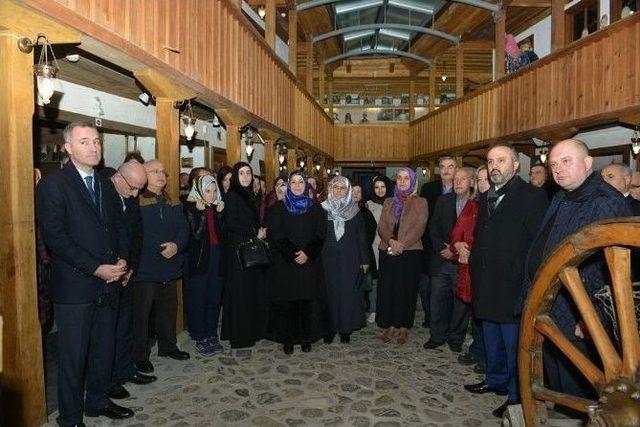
253	253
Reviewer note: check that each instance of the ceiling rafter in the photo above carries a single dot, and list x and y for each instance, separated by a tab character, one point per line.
412	28
383	52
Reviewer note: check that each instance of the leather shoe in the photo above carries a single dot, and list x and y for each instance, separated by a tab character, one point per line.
456	348
430	345
500	410
467	359
143	366
288	349
329	339
176	355
113	411
483	387
141	379
306	348
118	392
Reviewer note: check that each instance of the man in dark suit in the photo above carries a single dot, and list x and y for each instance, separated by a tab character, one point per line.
584	198
619	176
509	215
432	191
78	214
128	180
449	320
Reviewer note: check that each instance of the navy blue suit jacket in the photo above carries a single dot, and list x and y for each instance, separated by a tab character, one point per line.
80	234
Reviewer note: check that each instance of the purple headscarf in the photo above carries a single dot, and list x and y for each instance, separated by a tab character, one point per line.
400	196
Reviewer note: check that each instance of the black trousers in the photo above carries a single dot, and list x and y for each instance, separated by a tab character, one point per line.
123	368
86	339
163	298
444	326
563	376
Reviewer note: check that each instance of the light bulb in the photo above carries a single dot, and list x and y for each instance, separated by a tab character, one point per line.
262	12
543	157
424	171
635	147
318	168
281	158
46	86
444	77
328	171
189	130
301	163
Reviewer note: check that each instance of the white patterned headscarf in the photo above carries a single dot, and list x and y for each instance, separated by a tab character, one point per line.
340	210
200	185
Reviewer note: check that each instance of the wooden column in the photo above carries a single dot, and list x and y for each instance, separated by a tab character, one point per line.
233	145
293	41
459	72
167	92
500	33
432	86
270	167
309	67
321	78
309	165
412	101
330	96
292	159
23	393
558	37
270	23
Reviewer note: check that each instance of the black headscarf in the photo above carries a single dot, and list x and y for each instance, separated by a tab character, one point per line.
387	183
247	193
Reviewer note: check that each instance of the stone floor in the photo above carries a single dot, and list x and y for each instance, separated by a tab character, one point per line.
365	383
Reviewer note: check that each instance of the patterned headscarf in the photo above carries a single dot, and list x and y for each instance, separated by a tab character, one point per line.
199	186
340	210
298	204
400	196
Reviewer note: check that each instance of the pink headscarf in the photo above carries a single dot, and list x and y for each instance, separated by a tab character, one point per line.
510	46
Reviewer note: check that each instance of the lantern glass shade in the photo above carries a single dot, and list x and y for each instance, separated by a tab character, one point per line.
46	81
281	158
249	149
189	131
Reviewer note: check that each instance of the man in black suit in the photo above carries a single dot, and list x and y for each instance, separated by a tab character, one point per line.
432	191
619	176
128	180
449	319
509	215
78	214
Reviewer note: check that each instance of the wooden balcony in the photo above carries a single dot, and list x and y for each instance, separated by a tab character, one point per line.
593	81
371	143
207	46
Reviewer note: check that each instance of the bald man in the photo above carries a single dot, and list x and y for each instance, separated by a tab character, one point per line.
166	235
634	189
618	175
584	197
128	181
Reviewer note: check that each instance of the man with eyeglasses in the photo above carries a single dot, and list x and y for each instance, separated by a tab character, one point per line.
128	180
166	235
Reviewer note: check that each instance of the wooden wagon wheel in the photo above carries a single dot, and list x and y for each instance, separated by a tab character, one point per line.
618	384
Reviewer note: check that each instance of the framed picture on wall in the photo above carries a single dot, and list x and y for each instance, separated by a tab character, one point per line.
186	162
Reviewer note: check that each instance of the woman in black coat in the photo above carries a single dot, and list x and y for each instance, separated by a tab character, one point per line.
244	299
345	257
296	230
203	288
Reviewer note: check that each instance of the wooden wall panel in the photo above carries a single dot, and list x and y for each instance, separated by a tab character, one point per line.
592	81
220	55
379	143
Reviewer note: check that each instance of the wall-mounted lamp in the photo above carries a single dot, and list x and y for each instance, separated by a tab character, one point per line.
543	154
443	77
189	122
262	12
46	69
328	171
216	121
635	141
249	133
424	171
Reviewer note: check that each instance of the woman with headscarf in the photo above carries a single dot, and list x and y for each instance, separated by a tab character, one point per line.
381	191
345	257
203	288
297	308
402	223
277	193
243	301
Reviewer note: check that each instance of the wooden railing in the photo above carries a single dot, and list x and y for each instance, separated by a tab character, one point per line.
366	143
593	81
206	45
